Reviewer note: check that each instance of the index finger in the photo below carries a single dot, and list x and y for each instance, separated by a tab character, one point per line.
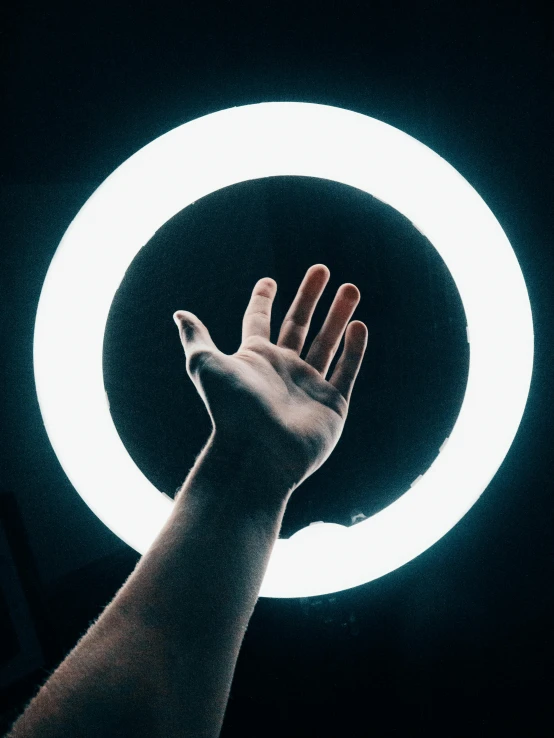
257	318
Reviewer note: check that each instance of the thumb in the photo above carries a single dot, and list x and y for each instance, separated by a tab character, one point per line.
195	337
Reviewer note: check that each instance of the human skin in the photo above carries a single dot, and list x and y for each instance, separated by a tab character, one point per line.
160	659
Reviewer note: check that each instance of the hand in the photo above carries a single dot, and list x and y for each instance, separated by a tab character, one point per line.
265	398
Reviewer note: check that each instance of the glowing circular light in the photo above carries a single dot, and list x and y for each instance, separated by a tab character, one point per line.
266	140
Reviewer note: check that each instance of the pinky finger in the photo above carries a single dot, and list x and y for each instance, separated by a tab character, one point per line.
348	366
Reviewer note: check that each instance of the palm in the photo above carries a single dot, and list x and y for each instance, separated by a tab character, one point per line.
271	388
265	394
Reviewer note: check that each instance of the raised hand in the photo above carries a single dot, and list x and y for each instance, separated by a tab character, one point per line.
265	400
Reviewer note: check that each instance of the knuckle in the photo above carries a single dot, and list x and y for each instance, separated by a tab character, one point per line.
340	401
257	311
325	343
259	343
300	321
197	360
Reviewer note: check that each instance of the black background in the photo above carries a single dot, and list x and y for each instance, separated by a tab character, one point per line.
457	642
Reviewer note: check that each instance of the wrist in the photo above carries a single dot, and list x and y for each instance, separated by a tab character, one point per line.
238	481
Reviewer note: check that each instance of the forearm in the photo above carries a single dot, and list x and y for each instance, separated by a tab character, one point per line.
161	658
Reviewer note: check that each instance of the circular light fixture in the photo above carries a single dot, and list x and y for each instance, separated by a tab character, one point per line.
267	140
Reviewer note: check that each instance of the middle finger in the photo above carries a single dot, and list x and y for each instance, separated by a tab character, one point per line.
297	321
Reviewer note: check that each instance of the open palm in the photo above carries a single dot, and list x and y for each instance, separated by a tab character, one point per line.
265	397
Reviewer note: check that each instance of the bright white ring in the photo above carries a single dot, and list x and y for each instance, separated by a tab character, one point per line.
265	140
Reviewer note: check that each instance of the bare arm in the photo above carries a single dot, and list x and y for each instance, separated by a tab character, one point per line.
160	659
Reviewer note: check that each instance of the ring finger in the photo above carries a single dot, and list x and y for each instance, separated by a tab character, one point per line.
297	320
326	343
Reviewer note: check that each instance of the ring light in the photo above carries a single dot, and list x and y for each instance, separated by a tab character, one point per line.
267	140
